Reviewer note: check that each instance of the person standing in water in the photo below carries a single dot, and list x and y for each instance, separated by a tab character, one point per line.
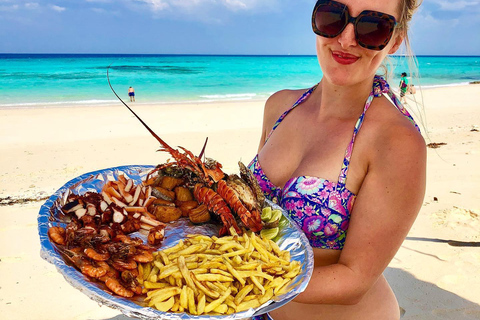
131	94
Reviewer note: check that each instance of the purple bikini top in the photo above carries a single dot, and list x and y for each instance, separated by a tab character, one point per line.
321	208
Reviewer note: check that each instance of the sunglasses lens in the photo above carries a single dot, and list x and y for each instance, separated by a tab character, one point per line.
329	21
374	31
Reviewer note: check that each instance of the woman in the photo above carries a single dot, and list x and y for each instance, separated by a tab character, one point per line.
357	205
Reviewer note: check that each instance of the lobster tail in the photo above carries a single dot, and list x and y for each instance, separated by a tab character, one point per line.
217	205
248	218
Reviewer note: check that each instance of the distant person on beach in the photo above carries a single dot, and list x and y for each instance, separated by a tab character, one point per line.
403	87
355	196
131	94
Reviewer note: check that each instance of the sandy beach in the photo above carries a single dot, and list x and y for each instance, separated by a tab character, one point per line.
42	149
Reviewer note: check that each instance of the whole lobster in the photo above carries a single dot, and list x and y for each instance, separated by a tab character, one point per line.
208	173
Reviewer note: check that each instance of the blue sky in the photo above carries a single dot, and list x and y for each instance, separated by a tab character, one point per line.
440	27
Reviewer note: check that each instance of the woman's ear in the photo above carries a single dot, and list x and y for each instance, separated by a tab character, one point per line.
397	42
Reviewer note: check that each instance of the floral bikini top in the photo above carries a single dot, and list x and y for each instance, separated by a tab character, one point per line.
320	207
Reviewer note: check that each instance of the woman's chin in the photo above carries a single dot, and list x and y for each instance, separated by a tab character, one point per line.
340	78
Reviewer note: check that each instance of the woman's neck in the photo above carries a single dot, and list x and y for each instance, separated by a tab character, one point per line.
342	101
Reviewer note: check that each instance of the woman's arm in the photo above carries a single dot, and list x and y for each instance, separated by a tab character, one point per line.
385	209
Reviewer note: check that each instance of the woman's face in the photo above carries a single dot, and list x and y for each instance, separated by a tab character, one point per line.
343	61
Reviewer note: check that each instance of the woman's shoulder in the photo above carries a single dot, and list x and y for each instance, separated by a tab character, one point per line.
284	98
391	131
281	101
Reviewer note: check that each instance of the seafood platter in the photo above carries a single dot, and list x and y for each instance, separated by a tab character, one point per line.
180	240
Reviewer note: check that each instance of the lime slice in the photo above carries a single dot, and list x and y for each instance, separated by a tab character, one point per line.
266	213
276	215
269	233
283	222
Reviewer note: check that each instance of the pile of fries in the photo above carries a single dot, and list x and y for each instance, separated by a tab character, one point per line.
217	276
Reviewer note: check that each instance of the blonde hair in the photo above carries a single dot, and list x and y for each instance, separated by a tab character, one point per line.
406	9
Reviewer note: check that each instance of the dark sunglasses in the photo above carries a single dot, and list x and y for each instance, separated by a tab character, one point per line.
373	29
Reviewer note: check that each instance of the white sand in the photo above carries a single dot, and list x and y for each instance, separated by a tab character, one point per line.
41	149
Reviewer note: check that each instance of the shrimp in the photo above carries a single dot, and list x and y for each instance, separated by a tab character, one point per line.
128	240
119	250
124	265
95	272
92	269
111	273
143	257
93	254
57	235
129	278
114	285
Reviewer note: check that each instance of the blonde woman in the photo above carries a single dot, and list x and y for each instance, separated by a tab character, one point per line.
346	164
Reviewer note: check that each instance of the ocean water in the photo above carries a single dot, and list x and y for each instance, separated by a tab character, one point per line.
39	80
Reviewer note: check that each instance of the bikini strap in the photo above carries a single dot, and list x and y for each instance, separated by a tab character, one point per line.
304	97
380	87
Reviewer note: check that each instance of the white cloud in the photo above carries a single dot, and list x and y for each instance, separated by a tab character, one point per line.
31	5
12	7
457	5
190	5
238	4
99	1
429	21
156	5
57	8
98	10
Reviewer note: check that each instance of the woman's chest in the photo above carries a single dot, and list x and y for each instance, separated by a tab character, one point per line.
313	149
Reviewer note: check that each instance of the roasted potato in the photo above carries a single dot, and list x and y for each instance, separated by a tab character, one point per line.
167	213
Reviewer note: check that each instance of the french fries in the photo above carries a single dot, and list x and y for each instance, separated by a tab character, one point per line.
217	276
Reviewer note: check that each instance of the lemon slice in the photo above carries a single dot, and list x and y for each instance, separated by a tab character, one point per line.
269	233
266	214
276	215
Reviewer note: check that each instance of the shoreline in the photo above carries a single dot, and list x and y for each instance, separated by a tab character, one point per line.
115	103
42	149
112	103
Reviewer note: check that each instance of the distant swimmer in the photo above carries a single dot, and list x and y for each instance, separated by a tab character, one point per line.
131	94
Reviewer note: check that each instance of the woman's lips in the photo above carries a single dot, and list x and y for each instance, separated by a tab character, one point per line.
343	57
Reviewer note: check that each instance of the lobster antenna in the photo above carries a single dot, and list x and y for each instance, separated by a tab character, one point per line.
148	128
203	149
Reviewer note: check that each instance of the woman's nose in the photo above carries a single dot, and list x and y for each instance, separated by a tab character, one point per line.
347	37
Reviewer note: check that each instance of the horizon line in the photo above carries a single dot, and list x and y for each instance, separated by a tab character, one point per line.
219	54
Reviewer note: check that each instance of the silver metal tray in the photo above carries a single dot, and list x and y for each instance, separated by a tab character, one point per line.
290	238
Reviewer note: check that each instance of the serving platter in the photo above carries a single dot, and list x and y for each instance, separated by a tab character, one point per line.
290	238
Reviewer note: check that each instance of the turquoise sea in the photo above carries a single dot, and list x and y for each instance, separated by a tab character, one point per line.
39	80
